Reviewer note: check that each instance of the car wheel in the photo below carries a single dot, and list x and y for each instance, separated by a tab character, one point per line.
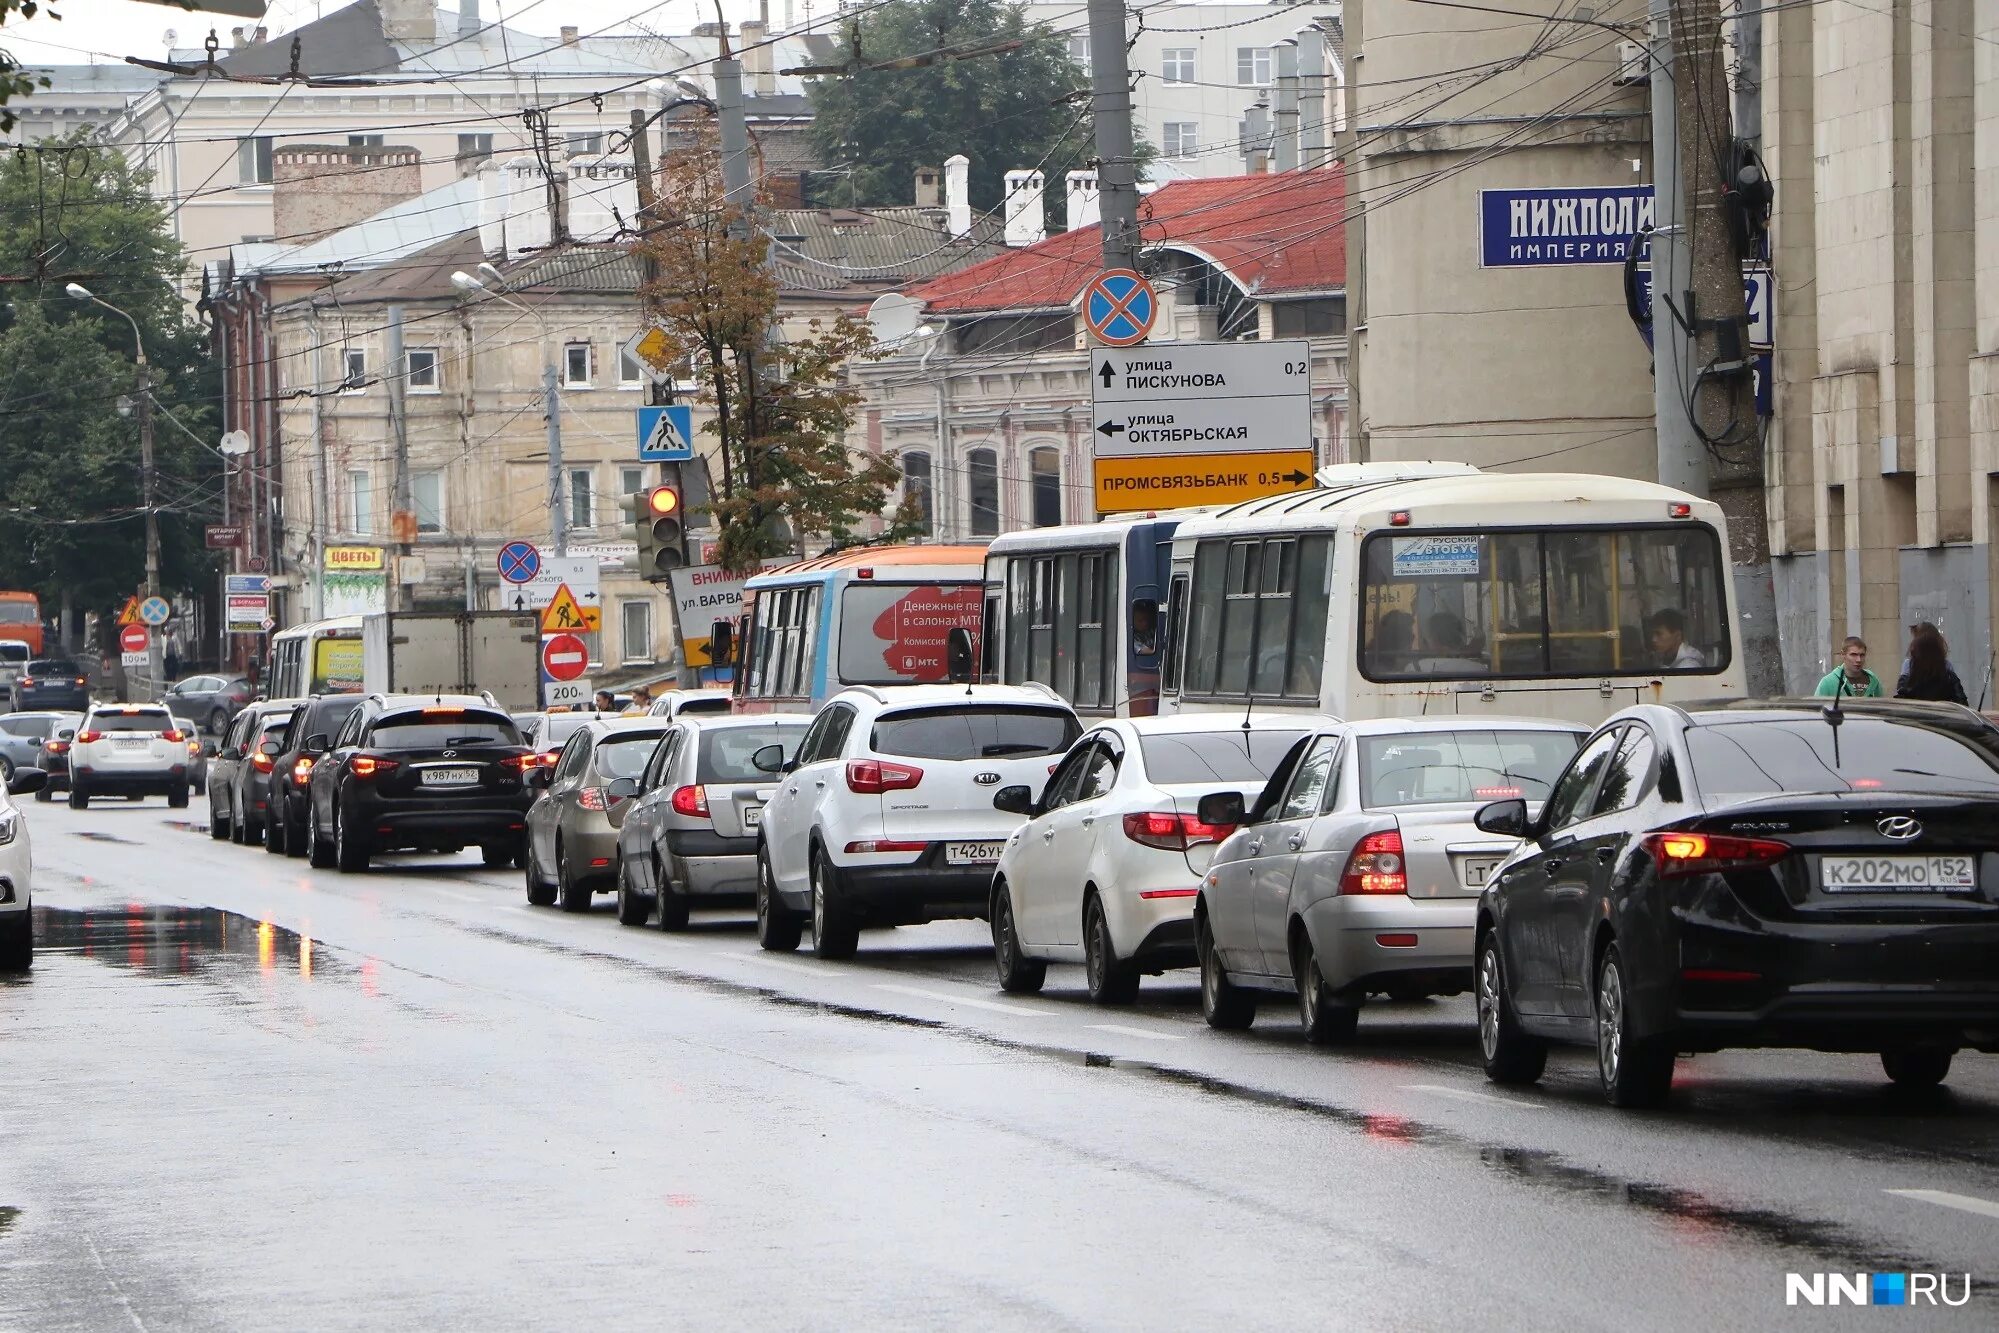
575	895
1226	1006
218	721
496	855
78	798
1112	980
673	904
634	908
1509	1055
350	851
1636	1072
6	770
17	942
318	850
540	892
1326	1020
177	798
1018	974
275	828
1921	1067
218	827
778	928
835	933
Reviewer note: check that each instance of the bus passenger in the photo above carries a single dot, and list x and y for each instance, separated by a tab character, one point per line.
1394	638
1451	656
1667	631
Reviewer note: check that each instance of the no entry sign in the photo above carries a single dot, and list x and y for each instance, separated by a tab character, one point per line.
564	656
134	639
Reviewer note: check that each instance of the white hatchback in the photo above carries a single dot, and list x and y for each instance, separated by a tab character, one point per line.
128	750
885	815
1107	867
17	864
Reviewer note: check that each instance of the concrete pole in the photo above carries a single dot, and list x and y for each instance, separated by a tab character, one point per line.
1110	106
558	509
1682	459
149	477
402	502
322	500
733	122
1285	56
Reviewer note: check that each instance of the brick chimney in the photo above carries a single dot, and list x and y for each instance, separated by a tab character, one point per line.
319	188
569	31
409	21
929	187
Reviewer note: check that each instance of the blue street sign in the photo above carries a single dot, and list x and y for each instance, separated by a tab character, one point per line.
1568	225
246	585
1119	307
666	434
519	562
155	611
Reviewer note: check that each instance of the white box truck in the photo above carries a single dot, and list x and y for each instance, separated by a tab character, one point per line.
454	652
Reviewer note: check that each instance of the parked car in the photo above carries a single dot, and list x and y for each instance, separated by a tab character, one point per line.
17	865
1781	873
52	755
1357	871
1105	870
317	721
572	833
214	700
21	737
434	773
691	834
198	749
128	750
885	815
52	683
673	703
14	656
239	779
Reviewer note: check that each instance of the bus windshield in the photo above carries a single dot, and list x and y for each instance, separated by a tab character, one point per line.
894	633
14	612
1542	602
336	666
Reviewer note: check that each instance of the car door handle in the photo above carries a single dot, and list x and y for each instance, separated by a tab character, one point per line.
1295	841
1256	848
1086	822
819	783
792	790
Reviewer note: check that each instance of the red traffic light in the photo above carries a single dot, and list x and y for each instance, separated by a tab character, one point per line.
663	500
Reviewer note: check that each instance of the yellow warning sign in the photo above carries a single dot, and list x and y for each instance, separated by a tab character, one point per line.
130	615
565	613
656	349
1176	481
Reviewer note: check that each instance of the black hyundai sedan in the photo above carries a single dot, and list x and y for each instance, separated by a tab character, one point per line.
1820	874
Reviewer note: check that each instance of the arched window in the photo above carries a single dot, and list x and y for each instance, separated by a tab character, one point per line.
982	490
1044	474
918	488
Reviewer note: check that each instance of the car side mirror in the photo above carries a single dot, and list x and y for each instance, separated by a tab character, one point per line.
315	744
268	747
229	752
623	789
1015	800
1222	808
26	781
1506	819
959	657
769	759
67	734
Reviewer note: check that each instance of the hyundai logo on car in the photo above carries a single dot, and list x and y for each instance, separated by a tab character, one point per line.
1899	827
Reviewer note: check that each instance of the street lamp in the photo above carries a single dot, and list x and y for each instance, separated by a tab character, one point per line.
558	514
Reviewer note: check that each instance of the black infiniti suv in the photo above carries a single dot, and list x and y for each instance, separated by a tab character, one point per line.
419	772
318	719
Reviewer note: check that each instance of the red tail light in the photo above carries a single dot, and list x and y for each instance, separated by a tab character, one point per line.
872	777
592	798
80	680
1376	865
30	680
521	763
86	737
262	762
173	734
1681	854
1171	832
301	769
690	801
368	765
58	747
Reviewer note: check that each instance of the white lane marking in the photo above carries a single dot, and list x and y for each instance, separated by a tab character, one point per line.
1466	1094
948	998
1945	1199
1124	1031
768	961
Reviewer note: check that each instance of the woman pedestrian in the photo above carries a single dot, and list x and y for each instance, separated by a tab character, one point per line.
1929	675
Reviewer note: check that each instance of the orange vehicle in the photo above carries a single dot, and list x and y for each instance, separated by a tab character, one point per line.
21	619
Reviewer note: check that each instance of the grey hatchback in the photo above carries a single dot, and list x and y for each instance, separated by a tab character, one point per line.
692	832
573	825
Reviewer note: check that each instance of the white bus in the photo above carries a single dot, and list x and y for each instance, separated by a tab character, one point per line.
318	657
1402	589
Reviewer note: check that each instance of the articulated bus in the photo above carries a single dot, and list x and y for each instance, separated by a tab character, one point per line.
1077	608
1401	589
874	616
318	657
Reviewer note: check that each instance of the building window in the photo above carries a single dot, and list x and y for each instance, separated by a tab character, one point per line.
631	375
354	375
422	370
366	140
1079	49
576	366
582	499
474	148
919	489
635	619
631	480
583	143
1181	137
1252	66
427	494
982	491
1044	476
253	160
1176	64
1324	316
360	501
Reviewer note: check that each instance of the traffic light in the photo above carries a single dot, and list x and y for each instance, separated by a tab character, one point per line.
661	530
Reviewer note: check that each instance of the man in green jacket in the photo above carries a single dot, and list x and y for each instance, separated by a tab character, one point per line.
1851	678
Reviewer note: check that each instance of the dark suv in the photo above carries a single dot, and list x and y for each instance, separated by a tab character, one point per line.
52	683
318	719
424	773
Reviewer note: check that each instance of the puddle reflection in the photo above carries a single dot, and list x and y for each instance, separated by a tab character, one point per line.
179	941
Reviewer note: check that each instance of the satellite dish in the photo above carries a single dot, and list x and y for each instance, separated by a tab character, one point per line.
893	317
170	38
235	443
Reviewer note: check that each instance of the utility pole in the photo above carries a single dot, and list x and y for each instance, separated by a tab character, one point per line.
149	481
1681	456
558	512
403	506
1110	106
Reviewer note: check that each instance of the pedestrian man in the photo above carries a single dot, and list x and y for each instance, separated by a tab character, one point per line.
1851	678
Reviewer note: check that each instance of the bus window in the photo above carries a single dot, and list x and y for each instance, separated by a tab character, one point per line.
1145	627
1176	632
1257	619
894	633
988	640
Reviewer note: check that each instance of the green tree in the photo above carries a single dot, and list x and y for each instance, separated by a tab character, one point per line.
1025	107
14	81
71	518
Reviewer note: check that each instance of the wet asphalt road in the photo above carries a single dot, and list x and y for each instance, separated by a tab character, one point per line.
240	1093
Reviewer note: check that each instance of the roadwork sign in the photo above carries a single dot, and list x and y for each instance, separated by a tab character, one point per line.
565	614
1176	481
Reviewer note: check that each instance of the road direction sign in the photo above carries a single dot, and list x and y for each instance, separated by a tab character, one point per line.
579	573
155	611
666	434
564	657
246	584
519	562
1119	307
1179	481
134	639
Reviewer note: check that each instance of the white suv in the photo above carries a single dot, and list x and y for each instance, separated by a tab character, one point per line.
128	750
886	817
17	926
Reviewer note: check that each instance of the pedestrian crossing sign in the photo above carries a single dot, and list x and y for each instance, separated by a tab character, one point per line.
564	614
666	434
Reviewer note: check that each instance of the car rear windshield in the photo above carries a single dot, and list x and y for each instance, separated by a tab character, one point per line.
1764	758
323	717
444	729
974	732
34	728
624	754
704	706
725	753
54	666
1231	755
148	720
13	650
1451	767
559	727
275	727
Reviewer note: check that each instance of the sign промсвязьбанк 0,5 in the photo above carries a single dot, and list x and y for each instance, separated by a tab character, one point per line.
1578	224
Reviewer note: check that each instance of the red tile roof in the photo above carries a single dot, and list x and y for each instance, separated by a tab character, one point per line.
1275	234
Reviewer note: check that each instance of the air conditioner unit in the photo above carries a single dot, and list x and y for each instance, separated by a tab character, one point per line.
1634	64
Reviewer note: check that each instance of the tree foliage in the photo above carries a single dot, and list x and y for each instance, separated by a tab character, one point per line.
781	405
71	518
1023	108
14	81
